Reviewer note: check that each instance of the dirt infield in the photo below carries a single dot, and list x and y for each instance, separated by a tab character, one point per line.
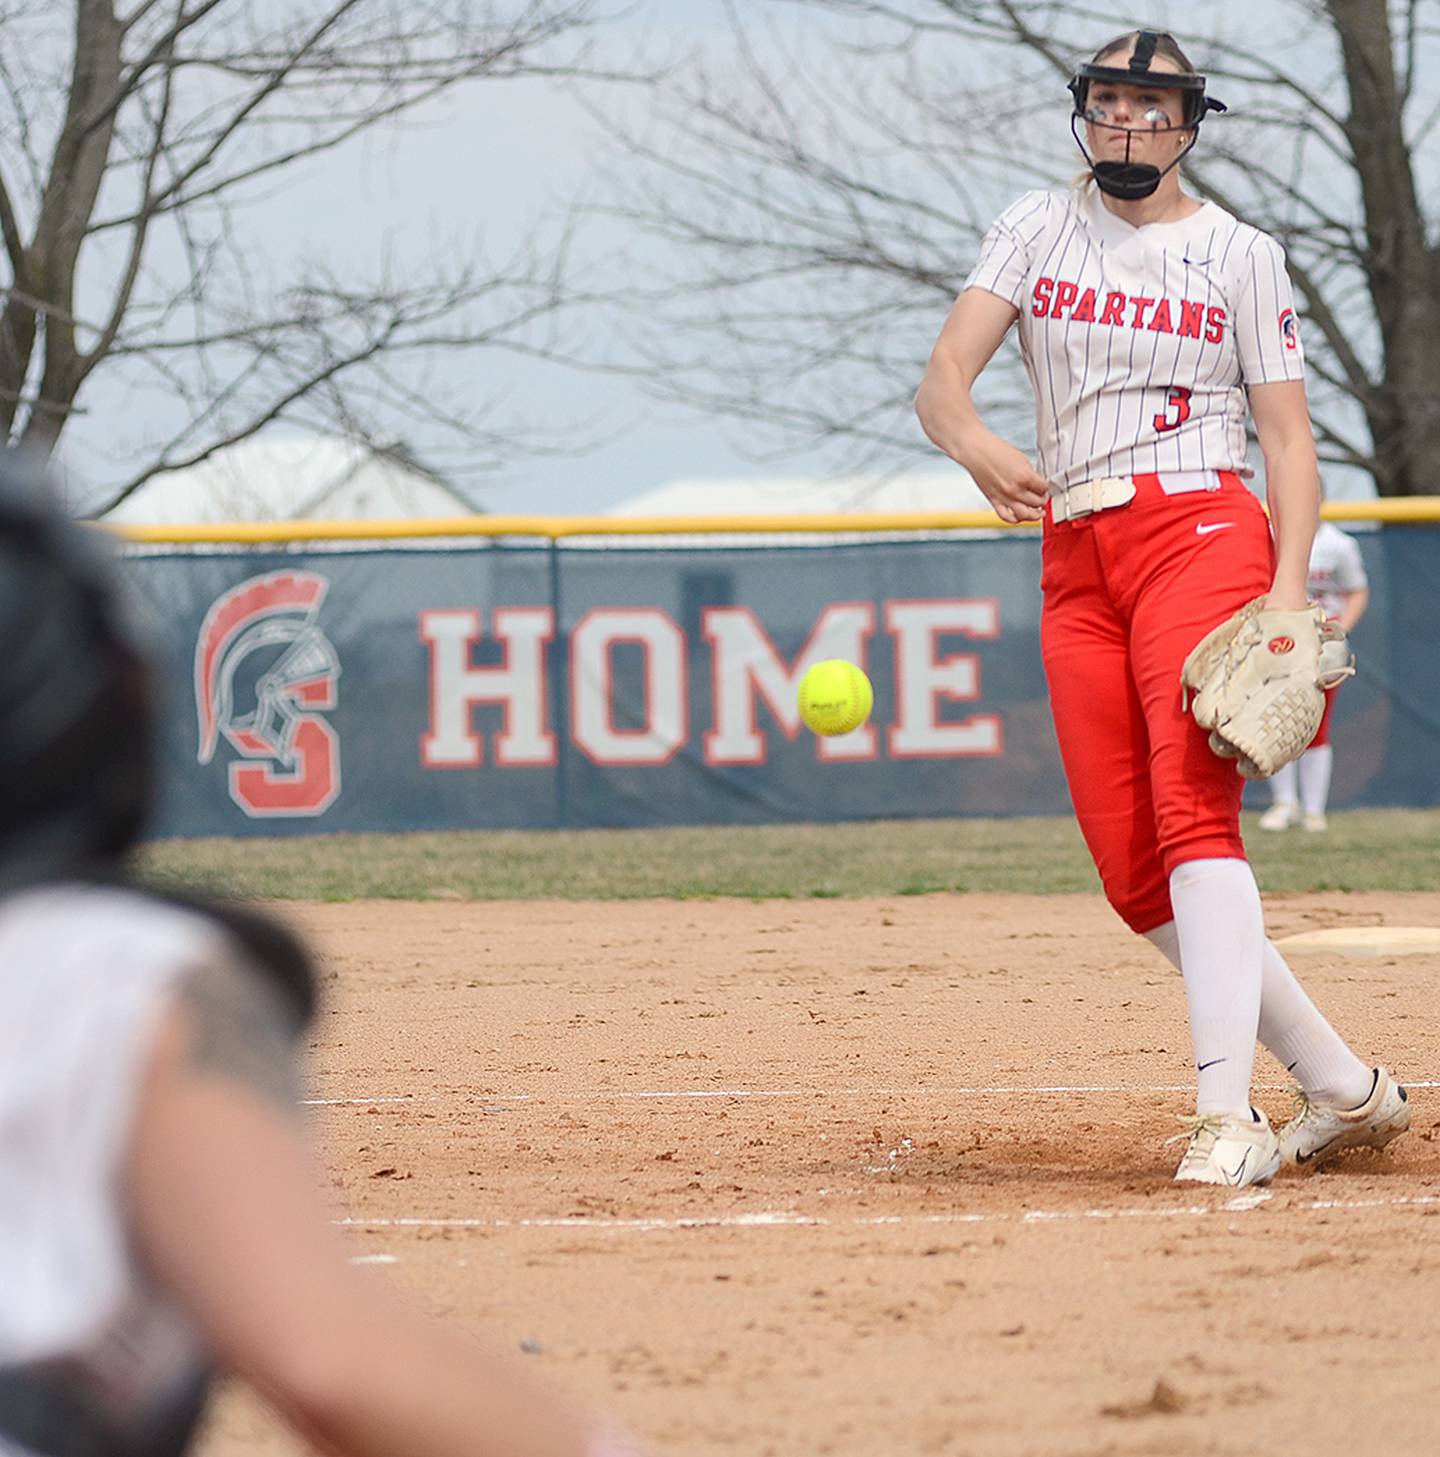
871	1178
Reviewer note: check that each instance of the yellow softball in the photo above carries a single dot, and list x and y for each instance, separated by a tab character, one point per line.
835	697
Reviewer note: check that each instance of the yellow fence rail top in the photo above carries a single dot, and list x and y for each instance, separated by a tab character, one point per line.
556	528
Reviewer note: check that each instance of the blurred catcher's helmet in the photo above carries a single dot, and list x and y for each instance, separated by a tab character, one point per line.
75	718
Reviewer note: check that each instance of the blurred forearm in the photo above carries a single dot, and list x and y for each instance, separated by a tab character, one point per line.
400	1384
1354	608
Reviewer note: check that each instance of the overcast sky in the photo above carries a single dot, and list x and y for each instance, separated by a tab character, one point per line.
492	162
496	161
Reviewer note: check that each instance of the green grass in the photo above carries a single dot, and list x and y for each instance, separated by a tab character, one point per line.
1364	850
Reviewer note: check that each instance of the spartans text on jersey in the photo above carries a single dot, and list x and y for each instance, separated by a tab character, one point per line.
1057	296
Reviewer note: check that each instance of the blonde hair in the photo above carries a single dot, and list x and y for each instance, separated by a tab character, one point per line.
1165	45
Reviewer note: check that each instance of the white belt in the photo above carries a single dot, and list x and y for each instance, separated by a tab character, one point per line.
1085	497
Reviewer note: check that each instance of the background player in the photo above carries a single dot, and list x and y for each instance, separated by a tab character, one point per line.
160	1213
1300	791
1150	325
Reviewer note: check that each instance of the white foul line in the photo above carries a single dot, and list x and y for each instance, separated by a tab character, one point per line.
788	1219
363	1102
609	1095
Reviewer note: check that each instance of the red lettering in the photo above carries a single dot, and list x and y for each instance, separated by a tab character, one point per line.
1214	325
1191	316
308	787
1178	400
1139	305
1114	309
1084	311
1041	295
1160	321
1064	297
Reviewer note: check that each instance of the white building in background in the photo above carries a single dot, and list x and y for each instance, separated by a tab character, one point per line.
949	490
292	478
330	478
932	491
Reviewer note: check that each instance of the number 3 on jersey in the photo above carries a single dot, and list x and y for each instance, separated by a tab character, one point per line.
1177	409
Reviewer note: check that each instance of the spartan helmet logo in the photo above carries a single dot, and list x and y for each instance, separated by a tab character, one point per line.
262	666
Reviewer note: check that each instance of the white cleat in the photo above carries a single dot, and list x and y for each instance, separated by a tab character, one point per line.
1229	1150
1281	816
1315	823
1318	1132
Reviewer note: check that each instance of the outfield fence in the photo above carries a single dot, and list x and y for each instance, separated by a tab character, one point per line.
545	672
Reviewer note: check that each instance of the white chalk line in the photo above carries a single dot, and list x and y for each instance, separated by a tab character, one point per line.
610	1095
789	1219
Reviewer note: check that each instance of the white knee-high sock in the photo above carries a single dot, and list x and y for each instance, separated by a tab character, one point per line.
1285	786
1293	1028
1314	774
1221	931
1166	940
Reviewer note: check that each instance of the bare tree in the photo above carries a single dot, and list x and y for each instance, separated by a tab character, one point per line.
135	132
830	184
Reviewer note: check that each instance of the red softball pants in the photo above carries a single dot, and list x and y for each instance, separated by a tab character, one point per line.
1128	592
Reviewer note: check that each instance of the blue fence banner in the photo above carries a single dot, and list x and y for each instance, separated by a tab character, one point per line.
534	684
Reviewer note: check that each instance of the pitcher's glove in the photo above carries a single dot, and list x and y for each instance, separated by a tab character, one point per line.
1259	680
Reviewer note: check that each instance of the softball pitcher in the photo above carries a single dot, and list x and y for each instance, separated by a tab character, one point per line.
1151	325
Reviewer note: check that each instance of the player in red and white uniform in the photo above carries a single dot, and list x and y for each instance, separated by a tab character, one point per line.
1152	326
1300	791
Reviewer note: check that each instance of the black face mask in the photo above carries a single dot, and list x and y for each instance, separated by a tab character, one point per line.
1128	179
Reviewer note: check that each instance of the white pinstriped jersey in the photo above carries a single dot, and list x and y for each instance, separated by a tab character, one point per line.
1139	342
1336	568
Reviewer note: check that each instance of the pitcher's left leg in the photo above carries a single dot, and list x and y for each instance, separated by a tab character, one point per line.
1218	917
